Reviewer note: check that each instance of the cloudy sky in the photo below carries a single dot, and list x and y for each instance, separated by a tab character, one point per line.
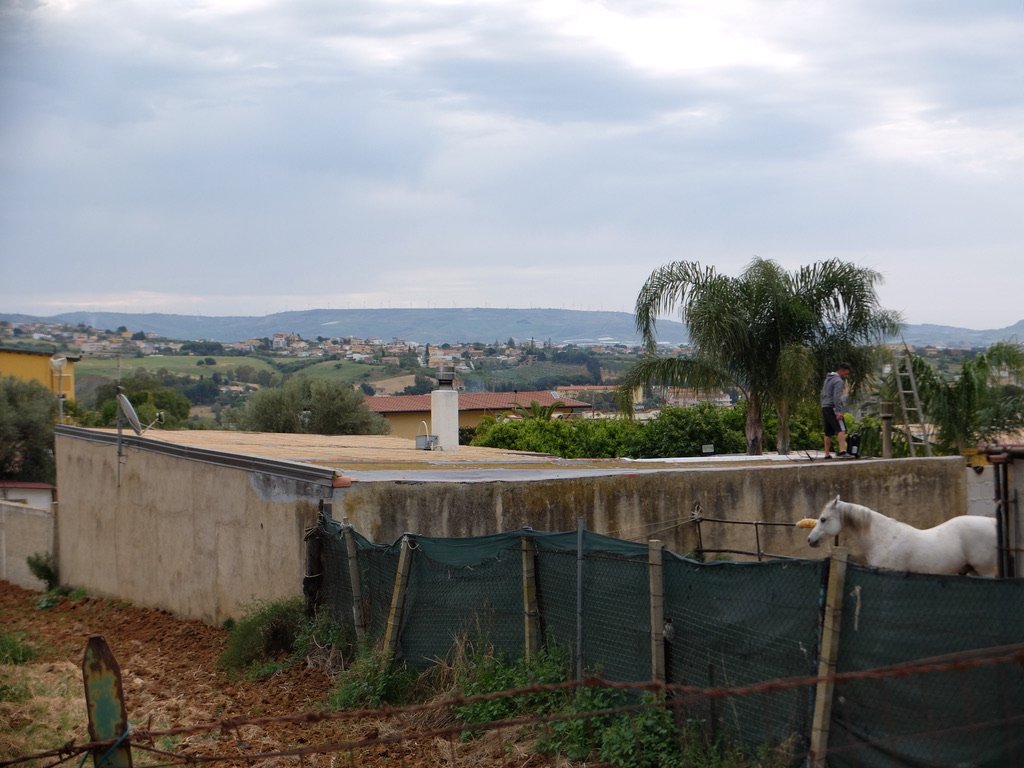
242	157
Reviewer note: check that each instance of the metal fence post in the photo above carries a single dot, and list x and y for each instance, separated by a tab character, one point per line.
104	701
830	626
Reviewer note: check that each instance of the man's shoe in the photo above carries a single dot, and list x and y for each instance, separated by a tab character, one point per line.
827	456
844	455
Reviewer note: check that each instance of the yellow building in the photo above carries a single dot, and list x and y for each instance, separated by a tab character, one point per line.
409	415
45	367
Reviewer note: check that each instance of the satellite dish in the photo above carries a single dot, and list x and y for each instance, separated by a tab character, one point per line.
58	363
128	411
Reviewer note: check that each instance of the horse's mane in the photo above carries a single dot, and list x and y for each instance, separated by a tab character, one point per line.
854	515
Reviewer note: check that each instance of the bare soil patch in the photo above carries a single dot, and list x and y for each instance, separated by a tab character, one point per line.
170	680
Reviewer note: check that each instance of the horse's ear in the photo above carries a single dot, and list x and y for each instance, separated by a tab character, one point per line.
836	499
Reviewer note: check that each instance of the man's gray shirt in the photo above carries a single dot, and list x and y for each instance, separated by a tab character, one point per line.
833	393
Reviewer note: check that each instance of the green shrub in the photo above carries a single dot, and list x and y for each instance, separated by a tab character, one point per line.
645	739
374	679
578	738
44	567
323	642
483	671
263	638
14	649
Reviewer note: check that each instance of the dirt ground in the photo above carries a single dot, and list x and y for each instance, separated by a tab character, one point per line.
170	680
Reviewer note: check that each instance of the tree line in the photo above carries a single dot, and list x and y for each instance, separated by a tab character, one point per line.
767	335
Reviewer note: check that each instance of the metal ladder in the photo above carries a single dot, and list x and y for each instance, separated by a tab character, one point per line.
910	402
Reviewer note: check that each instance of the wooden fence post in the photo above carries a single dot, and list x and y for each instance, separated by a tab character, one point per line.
831	621
655	579
104	701
355	581
531	614
398	596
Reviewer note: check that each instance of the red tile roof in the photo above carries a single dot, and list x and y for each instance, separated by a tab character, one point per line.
472	401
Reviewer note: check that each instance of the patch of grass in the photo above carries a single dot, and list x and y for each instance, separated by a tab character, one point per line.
14	649
265	634
14	692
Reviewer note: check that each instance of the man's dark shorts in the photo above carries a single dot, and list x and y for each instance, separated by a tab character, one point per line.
833	426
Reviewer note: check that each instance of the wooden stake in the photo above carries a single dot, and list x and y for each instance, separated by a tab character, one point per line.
831	621
531	614
355	582
398	597
655	578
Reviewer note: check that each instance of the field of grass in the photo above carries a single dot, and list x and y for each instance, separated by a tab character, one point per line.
181	365
346	371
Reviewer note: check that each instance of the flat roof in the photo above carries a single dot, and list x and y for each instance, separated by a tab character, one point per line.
386	458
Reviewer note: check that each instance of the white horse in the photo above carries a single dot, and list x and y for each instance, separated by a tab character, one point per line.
961	545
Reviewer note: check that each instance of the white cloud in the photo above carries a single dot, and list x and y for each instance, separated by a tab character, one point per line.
229	154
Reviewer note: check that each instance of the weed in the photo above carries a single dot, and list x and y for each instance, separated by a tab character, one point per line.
48	600
482	670
267	632
273	636
645	739
14	692
44	567
323	642
578	738
14	649
374	679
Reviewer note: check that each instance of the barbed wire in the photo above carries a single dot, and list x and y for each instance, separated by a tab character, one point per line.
675	695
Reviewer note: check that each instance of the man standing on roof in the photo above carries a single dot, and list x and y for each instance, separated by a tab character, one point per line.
833	408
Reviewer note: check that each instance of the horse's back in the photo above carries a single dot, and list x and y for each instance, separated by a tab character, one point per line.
977	539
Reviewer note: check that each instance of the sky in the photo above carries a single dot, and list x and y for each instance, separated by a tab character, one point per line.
245	157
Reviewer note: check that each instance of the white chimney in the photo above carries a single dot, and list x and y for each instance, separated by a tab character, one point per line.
444	411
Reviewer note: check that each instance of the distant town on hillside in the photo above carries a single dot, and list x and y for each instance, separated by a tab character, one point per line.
439	326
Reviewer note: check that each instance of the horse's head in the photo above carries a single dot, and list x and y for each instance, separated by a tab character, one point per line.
830	521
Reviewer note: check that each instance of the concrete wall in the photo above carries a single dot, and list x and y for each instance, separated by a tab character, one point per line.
24	531
641	506
980	489
204	538
197	539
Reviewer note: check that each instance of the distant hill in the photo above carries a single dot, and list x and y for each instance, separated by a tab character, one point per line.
435	326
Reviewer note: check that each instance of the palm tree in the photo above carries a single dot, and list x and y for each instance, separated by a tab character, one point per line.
975	406
536	411
768	333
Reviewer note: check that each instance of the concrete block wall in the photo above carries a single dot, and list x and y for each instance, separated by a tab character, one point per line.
24	531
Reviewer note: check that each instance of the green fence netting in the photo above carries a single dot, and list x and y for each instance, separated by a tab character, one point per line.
457	592
614	599
735	625
959	716
739	624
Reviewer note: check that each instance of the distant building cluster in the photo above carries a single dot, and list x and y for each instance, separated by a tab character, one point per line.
459	355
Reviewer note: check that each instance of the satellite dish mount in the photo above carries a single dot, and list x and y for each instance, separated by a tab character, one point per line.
126	412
